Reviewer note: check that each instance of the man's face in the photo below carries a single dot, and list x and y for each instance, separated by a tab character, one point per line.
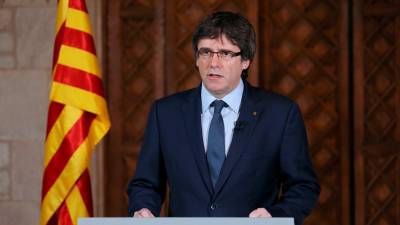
220	76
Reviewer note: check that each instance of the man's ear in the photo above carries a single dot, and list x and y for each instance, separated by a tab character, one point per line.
245	64
197	64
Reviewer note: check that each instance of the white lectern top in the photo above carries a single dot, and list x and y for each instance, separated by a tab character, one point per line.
185	221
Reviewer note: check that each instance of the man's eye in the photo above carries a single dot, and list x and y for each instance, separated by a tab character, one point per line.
225	53
204	51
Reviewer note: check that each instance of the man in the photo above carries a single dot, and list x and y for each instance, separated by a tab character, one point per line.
225	148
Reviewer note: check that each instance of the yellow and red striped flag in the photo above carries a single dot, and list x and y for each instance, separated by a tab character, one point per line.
77	118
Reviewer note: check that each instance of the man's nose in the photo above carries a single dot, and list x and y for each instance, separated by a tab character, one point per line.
215	60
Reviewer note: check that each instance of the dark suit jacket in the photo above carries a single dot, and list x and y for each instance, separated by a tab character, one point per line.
268	152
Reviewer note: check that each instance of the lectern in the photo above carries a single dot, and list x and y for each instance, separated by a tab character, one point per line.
185	221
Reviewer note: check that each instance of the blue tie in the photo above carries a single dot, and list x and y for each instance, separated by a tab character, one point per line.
216	141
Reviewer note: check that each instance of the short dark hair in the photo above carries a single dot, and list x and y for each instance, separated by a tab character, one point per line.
235	27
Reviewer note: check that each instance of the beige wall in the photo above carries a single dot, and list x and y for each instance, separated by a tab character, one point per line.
26	40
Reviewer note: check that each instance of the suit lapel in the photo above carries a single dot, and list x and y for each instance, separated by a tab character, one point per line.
192	118
249	114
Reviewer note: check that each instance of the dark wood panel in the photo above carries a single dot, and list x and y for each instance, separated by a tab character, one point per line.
304	56
113	154
135	75
376	109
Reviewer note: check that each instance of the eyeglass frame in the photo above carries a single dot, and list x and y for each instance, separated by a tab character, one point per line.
220	54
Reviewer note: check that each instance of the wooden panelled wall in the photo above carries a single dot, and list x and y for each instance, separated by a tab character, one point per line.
376	111
338	59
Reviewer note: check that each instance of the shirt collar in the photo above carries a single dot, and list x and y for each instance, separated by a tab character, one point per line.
233	99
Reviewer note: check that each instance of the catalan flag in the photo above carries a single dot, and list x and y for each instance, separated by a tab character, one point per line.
77	118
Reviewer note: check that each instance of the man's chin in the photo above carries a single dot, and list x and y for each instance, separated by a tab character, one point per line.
217	92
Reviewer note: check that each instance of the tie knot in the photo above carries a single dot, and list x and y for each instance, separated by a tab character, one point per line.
218	105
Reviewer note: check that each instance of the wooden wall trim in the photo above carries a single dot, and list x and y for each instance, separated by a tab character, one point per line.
344	112
358	99
112	70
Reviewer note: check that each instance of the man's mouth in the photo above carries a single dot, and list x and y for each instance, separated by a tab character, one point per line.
214	75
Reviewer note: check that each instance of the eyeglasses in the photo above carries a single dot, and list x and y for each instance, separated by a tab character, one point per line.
206	53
